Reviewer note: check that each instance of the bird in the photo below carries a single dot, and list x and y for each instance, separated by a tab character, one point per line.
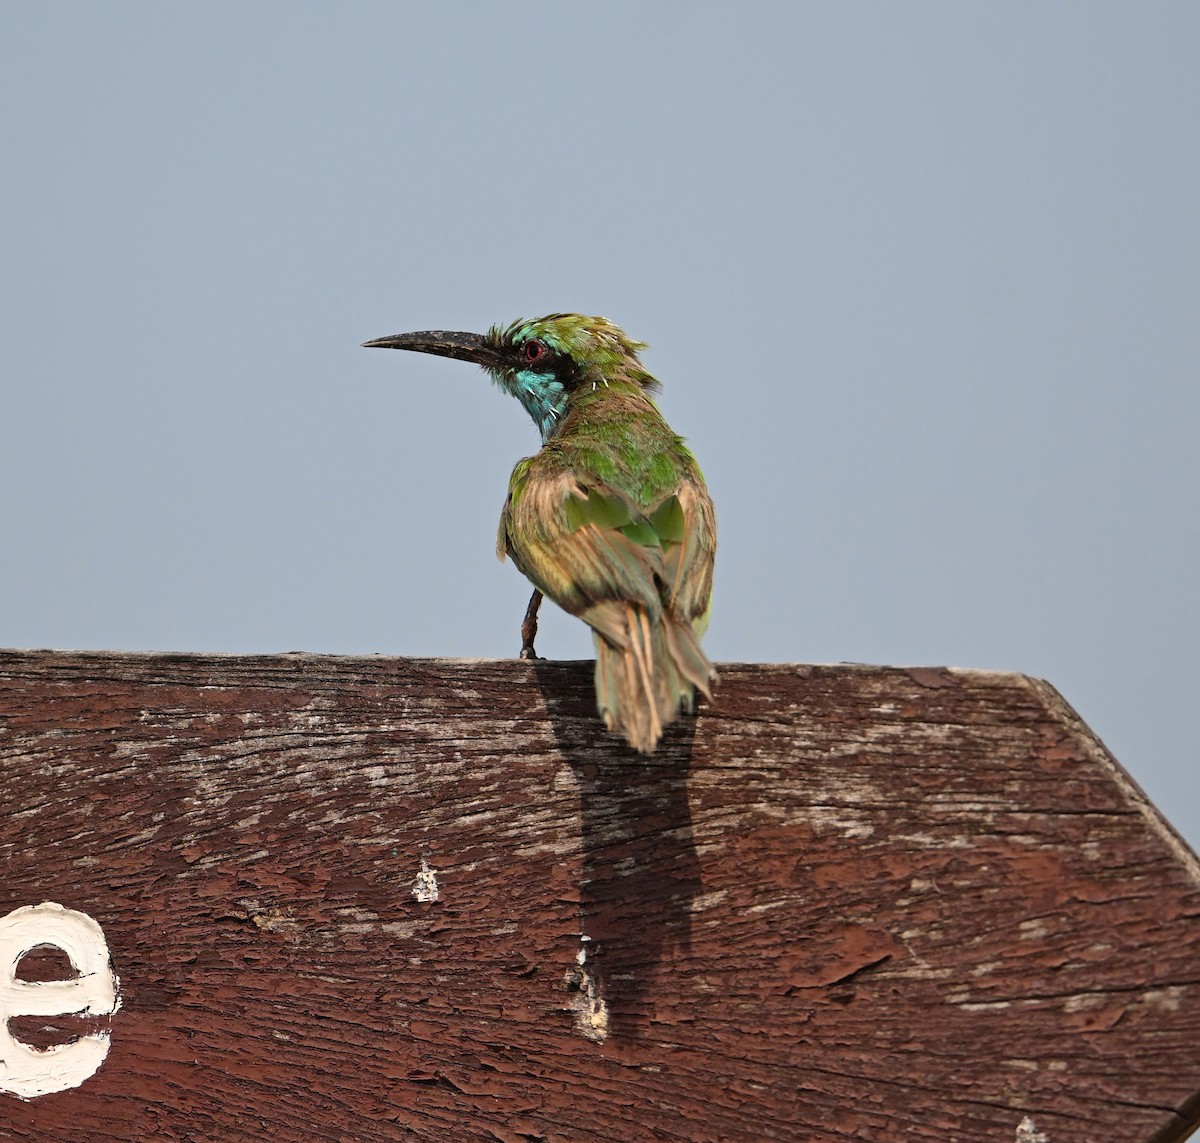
611	518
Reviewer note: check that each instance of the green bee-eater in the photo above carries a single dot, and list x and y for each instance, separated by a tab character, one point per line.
611	518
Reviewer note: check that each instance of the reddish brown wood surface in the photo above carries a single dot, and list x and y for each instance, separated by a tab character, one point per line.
843	903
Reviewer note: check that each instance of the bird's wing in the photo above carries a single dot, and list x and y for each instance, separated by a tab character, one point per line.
585	544
687	524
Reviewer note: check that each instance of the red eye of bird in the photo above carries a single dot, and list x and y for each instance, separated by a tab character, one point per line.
534	350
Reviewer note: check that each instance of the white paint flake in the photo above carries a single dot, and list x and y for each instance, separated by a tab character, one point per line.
591	1011
1027	1132
425	887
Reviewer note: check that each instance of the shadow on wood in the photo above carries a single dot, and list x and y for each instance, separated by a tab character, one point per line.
639	872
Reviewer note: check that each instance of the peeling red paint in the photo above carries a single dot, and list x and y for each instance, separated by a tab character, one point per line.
843	903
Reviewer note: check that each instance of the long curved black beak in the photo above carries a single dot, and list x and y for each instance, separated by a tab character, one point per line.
445	343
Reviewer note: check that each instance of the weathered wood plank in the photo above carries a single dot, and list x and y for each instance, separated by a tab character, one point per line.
843	903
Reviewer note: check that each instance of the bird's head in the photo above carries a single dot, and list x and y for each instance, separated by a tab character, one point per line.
545	363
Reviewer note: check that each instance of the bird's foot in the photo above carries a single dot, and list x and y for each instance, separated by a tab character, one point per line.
529	627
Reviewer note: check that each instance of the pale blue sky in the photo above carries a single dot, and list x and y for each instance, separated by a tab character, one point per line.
921	281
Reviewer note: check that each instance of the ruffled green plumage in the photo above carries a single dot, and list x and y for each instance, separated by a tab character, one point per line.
611	518
612	521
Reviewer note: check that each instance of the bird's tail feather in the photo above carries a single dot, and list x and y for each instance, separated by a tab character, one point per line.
646	671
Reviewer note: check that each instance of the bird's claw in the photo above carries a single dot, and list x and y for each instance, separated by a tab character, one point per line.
529	627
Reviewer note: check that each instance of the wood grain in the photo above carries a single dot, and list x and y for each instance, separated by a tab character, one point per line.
843	903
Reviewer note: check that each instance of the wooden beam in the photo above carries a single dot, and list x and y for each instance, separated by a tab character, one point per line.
427	899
